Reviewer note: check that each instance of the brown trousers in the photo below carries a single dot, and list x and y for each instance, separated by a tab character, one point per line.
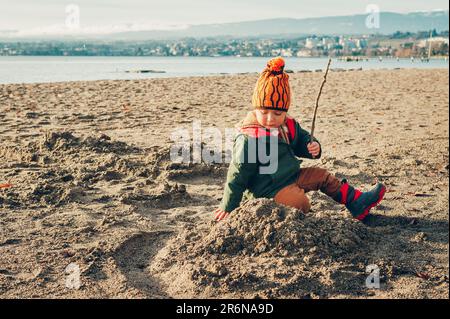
309	179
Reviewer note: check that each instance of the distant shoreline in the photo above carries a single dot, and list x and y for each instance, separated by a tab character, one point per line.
218	75
40	69
440	57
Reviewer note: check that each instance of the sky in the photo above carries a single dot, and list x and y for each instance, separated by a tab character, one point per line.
106	16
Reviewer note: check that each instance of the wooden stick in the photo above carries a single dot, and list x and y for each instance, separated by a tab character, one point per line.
317	100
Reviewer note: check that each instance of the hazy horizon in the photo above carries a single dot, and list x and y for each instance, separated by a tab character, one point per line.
49	17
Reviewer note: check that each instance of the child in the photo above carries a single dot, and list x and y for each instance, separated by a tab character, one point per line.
289	183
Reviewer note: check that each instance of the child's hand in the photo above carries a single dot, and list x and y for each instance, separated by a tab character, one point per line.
313	148
220	214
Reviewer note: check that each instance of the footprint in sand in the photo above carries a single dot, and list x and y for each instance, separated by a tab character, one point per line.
133	258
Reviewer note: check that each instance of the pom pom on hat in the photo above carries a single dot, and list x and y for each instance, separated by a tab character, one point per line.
276	65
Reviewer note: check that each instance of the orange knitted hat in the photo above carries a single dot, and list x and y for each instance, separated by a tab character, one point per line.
272	89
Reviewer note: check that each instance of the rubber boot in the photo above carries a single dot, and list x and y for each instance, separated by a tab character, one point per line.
357	202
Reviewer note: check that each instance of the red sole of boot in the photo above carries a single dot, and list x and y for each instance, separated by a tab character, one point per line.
367	210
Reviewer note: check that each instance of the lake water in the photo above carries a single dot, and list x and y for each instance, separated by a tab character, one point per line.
28	69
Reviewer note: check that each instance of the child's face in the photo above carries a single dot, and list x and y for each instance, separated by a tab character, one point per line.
270	118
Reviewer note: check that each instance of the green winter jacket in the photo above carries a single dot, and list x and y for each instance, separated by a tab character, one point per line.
246	173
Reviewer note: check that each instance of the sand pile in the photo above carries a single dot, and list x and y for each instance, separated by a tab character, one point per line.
61	168
100	144
189	168
267	250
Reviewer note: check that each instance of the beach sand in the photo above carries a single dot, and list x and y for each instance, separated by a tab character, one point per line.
92	186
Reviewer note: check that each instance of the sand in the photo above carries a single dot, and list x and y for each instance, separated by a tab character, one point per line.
92	185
